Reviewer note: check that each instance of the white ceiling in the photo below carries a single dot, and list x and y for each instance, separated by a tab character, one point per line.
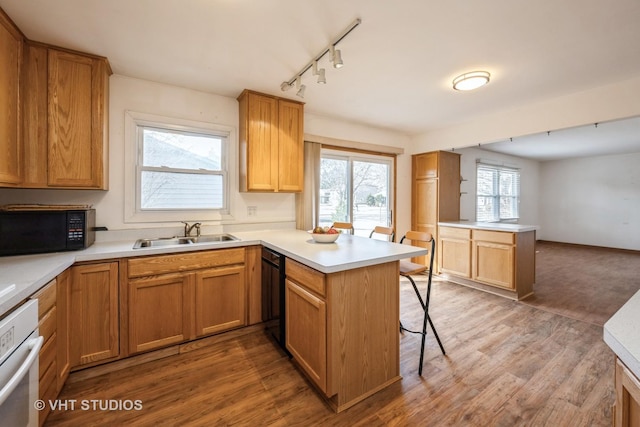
399	62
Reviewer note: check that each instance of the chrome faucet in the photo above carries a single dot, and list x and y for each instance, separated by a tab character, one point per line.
188	228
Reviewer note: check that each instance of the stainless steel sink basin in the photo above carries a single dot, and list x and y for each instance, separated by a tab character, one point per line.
172	241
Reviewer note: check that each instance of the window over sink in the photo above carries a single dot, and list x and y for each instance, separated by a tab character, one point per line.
176	169
498	193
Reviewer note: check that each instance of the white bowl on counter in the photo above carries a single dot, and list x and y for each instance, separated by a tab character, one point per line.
324	237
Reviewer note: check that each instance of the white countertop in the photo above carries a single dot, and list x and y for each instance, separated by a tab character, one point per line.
622	334
21	276
493	226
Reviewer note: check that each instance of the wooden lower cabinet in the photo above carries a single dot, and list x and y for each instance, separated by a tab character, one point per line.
627	407
342	329
179	297
454	251
94	327
159	309
493	264
306	324
502	262
53	326
220	300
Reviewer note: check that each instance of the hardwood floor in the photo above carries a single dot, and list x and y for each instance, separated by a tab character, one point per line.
508	364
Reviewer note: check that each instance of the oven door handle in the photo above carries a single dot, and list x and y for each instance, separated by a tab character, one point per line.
34	346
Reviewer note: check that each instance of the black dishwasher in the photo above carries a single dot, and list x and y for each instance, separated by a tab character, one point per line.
273	301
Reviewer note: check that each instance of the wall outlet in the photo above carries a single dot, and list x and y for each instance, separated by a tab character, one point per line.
252	210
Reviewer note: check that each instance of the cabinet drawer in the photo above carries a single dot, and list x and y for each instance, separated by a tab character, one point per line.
305	276
494	236
48	324
149	266
46	298
454	232
47	354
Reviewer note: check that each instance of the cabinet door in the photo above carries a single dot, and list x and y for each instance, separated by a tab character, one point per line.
220	301
93	306
11	44
493	263
425	210
159	310
627	407
63	297
290	146
262	143
425	165
77	120
306	331
455	256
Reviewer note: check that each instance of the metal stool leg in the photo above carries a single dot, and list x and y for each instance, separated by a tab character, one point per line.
426	319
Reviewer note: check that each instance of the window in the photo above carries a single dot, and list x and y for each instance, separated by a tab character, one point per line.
180	170
355	188
498	193
176	170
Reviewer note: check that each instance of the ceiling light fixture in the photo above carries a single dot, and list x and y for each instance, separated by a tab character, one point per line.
300	87
336	59
471	80
320	73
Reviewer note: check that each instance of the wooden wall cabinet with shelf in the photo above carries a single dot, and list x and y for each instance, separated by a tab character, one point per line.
271	143
435	194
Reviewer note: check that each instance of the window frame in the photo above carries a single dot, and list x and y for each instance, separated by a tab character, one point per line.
496	195
134	124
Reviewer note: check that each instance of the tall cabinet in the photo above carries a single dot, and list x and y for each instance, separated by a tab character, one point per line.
435	192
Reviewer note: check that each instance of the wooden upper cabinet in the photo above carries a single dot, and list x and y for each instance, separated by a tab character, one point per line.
271	143
290	146
77	125
11	45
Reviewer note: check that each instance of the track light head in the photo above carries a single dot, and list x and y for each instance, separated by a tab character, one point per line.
300	87
336	57
285	86
320	73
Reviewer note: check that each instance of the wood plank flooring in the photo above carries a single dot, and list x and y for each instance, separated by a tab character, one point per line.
508	364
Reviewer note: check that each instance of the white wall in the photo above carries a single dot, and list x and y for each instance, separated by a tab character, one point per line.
592	201
273	210
529	183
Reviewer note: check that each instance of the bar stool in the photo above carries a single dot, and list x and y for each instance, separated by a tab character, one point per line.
407	269
384	231
343	226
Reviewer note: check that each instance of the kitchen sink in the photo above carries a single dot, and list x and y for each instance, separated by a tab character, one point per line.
172	241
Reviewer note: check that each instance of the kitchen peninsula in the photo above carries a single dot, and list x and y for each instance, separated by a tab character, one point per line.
342	300
493	257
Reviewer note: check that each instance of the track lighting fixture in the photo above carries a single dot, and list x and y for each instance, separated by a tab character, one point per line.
300	88
335	58
320	73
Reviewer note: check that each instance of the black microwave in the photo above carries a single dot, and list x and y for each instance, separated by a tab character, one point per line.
40	231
